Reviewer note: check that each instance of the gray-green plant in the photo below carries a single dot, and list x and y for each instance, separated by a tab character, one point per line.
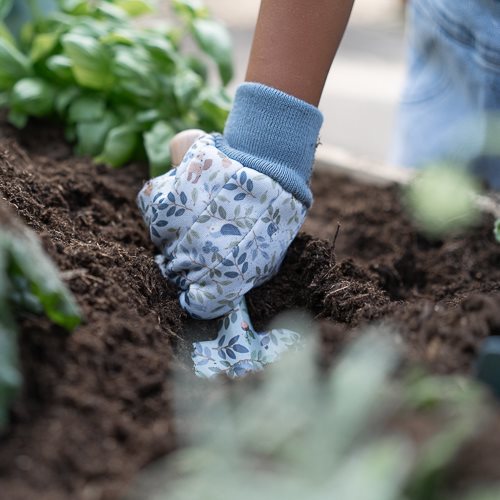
441	199
29	282
121	90
302	434
496	230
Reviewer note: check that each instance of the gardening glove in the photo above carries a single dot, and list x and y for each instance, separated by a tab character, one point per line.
224	218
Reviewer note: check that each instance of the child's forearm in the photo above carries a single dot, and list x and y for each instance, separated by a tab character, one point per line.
294	44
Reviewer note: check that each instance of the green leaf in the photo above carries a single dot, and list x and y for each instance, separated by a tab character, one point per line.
6	35
60	65
70	133
120	146
156	142
162	51
213	105
197	66
43	45
5	8
18	119
134	7
30	281
29	260
91	61
119	36
92	135
497	230
147	117
190	9
65	97
86	108
135	74
32	96
214	40
13	65
126	112
111	12
187	85
76	7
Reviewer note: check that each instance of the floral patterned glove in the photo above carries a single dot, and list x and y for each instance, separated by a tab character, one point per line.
224	218
222	228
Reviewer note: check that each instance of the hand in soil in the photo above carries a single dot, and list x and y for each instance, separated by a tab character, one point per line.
238	348
221	228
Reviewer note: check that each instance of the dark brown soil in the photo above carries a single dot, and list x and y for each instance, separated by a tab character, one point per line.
97	404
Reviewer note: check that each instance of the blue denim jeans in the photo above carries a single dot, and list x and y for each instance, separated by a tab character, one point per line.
450	108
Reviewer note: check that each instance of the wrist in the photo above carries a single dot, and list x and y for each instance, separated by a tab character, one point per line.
274	133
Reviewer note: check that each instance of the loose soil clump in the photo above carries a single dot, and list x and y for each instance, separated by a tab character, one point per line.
97	404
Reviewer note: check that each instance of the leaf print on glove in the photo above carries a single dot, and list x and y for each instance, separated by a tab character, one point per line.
239	349
221	235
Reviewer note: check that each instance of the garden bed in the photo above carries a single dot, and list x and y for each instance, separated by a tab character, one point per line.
97	404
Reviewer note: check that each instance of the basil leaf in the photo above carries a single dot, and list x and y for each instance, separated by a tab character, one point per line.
214	40
65	97
13	65
135	74
86	108
120	146
91	61
162	51
60	66
197	66
18	119
134	7
92	135
213	107
156	142
147	117
76	7
190	9
32	96
111	12
187	85
43	45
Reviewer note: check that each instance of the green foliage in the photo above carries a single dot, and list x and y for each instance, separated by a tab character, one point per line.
301	434
28	282
121	90
497	230
441	199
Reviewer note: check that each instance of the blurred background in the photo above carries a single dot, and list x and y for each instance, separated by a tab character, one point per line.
362	91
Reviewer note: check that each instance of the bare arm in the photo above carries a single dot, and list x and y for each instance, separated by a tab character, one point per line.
294	44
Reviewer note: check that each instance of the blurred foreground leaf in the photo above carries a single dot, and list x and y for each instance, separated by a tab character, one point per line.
441	199
29	282
301	434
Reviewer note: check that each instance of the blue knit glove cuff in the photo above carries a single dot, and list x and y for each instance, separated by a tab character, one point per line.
274	133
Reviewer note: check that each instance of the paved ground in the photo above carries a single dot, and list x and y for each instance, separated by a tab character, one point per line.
362	91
